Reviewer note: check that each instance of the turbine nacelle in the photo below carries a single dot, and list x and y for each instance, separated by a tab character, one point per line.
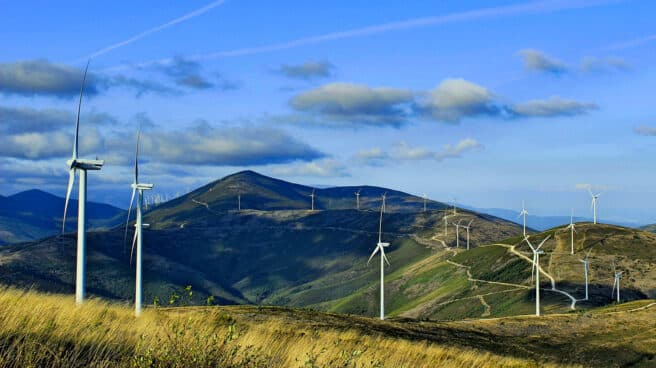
140	186
84	164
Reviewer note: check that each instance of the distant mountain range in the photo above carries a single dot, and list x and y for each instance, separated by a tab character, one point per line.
542	223
35	214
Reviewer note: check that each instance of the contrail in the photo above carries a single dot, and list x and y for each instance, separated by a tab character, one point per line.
536	7
630	44
141	35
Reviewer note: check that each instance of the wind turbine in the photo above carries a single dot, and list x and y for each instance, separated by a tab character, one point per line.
425	198
384	198
586	263
616	282
467	228
138	234
446	224
536	269
593	204
572	231
238	201
312	196
357	199
457	233
380	246
523	213
454	207
81	166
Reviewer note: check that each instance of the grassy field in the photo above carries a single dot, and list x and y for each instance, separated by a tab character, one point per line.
49	330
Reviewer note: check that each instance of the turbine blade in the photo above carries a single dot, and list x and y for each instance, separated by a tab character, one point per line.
373	254
384	257
134	241
71	181
127	221
613	291
136	159
79	107
543	241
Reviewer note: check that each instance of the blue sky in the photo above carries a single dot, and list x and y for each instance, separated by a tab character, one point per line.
488	102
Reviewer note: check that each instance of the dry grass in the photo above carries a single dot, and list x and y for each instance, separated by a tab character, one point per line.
49	330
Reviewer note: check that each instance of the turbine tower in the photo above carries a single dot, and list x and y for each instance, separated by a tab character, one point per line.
380	246
536	269
523	213
454	207
81	166
593	205
357	199
616	283
138	234
384	209
312	196
457	233
572	231
425	198
467	228
586	263
446	224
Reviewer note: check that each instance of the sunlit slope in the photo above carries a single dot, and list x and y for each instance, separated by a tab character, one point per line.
40	329
494	280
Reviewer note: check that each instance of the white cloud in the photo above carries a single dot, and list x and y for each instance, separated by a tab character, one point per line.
554	106
355	104
645	130
318	168
454	99
405	152
539	61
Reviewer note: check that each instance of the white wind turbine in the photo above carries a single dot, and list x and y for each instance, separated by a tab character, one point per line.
593	204
384	198
81	166
523	213
425	198
572	231
138	234
446	223
536	269
467	228
312	196
586	264
380	246
616	282
457	233
454	207
357	199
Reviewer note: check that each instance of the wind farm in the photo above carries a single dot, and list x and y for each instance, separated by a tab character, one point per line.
313	186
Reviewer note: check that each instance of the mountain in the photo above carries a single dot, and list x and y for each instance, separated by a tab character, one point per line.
276	251
542	223
35	214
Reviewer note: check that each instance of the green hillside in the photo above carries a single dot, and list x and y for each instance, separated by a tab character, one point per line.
317	259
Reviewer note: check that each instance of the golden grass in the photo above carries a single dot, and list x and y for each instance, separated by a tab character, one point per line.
38	330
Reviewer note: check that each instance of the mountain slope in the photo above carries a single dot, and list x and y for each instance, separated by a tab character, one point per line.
34	214
318	259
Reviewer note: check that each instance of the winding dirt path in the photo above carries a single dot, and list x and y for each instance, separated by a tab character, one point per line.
542	271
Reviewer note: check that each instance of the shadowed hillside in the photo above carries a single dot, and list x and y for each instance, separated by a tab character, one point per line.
35	214
318	259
